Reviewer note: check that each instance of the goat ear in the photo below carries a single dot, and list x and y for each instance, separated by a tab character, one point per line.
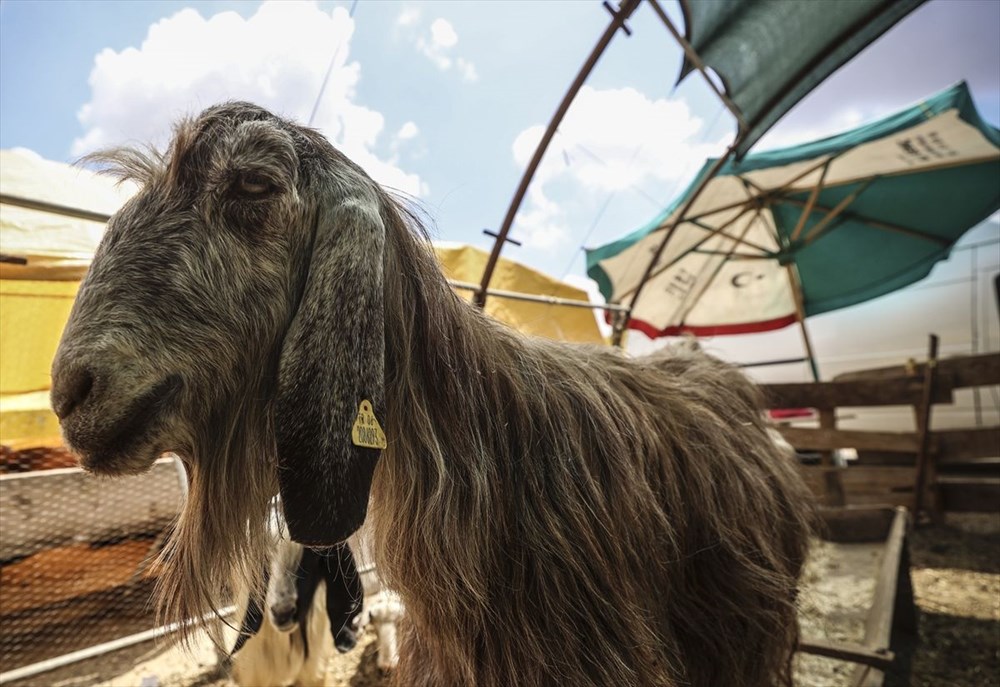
331	378
344	594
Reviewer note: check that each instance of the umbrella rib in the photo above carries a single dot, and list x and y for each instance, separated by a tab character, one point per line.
742	203
721	230
714	211
718	268
734	255
820	228
652	273
878	224
800	225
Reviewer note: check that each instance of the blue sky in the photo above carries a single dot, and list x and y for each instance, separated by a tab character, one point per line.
445	99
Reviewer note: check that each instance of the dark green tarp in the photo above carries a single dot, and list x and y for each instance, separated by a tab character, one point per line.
771	53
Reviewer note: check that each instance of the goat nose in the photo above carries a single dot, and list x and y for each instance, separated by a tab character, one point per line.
283	616
69	389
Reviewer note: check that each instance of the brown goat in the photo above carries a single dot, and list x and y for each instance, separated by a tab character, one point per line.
549	514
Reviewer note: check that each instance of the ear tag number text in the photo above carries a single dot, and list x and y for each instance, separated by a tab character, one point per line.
366	431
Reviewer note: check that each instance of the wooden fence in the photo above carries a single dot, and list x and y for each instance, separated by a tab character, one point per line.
923	470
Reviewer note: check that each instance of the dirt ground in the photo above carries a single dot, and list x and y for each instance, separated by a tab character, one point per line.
956	581
956	578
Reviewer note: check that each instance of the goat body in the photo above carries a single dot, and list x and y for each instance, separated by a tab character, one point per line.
549	514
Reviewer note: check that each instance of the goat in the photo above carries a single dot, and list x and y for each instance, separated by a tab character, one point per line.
549	514
312	603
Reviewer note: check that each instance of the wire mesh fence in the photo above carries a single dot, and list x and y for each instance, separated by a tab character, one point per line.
76	578
75	553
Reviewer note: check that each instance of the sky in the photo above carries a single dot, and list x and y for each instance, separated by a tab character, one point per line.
446	100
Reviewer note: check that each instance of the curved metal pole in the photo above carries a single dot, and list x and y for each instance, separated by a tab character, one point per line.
617	21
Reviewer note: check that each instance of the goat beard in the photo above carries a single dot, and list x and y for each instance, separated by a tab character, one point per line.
219	543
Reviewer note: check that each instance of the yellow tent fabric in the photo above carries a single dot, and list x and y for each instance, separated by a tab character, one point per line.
36	297
466	263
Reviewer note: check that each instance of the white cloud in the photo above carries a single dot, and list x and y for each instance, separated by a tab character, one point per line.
466	69
610	140
277	58
443	34
408	17
437	46
407	131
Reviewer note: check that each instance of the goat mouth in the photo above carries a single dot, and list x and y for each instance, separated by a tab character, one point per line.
125	445
285	627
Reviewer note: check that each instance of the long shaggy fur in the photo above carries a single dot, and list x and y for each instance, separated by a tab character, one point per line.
549	514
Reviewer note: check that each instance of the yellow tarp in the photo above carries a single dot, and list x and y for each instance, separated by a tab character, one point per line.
36	298
565	323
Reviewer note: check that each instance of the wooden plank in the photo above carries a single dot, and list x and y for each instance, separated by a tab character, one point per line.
950	446
52	508
979	446
848	651
964	372
958	446
878	626
853	525
869	458
890	392
825	439
864	486
970	494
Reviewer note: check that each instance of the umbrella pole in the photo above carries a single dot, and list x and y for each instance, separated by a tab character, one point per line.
800	313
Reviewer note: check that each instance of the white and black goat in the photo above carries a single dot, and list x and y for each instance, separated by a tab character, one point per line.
312	604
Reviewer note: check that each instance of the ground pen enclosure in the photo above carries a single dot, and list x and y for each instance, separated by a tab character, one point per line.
75	553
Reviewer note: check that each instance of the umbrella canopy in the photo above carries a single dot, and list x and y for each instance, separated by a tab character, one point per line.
836	222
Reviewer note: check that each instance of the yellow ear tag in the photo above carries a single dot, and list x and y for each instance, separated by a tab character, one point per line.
366	431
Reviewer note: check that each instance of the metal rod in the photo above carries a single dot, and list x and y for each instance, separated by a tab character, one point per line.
97	650
535	298
848	651
54	208
617	21
696	60
783	361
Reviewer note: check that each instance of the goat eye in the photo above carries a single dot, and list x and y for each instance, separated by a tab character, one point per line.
254	184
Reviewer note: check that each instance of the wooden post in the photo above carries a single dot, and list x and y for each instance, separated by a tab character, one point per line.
800	312
926	473
833	485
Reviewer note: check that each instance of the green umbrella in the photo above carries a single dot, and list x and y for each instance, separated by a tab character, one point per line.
789	233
